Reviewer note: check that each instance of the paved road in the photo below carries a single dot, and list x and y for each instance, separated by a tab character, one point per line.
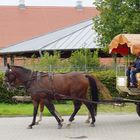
108	127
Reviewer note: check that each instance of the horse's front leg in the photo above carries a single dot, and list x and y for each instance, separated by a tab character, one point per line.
41	111
40	118
60	117
41	114
36	104
51	108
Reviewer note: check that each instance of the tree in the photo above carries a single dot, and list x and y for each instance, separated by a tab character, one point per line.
116	17
48	61
84	59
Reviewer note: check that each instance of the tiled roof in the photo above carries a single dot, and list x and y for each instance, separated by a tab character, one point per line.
17	25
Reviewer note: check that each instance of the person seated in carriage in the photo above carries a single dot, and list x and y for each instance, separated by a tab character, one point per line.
132	70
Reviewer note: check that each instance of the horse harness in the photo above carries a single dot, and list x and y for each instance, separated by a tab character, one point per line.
37	76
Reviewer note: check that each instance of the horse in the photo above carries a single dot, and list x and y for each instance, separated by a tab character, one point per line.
45	87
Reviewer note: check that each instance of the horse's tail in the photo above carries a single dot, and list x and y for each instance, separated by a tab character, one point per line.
94	91
93	87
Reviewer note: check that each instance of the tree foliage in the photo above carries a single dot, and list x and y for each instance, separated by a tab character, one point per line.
83	57
53	60
116	17
79	60
48	61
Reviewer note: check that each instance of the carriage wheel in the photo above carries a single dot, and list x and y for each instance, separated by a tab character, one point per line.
138	109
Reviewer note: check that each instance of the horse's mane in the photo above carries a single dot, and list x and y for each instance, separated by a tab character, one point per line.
20	67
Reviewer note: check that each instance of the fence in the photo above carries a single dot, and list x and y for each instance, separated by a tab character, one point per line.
63	69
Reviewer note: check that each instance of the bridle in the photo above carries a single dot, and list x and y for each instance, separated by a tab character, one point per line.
10	82
11	78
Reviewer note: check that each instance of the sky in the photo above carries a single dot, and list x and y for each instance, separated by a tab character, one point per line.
47	2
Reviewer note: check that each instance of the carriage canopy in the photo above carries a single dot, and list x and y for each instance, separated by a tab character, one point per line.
125	43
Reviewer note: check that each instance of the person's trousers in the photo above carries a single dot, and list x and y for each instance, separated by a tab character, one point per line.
133	76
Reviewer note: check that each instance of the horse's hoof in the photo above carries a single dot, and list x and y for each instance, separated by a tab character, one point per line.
87	121
59	126
72	119
62	120
68	125
92	125
29	127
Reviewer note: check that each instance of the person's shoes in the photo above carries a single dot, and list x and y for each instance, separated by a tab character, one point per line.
133	86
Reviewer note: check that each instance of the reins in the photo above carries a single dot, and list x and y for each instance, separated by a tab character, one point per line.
115	100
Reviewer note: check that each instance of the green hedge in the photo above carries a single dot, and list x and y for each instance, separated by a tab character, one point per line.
106	77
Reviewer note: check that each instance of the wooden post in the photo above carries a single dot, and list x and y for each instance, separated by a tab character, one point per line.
4	59
12	60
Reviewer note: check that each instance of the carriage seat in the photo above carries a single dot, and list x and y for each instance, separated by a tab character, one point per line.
138	79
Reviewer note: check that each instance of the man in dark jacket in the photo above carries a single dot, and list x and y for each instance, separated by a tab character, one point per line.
135	68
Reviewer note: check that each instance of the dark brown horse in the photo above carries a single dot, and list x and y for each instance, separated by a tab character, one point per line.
46	87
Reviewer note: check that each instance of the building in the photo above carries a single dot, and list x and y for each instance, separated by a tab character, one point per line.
26	30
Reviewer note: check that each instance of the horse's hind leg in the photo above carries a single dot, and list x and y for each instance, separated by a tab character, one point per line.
77	105
51	108
89	117
36	104
91	109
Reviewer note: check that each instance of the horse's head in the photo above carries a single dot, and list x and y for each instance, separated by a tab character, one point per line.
10	78
13	77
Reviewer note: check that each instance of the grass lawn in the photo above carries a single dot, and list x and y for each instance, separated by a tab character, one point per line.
63	109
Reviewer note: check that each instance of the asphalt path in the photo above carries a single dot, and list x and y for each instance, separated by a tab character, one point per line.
107	127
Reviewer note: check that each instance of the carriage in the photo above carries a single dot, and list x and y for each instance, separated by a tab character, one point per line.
126	44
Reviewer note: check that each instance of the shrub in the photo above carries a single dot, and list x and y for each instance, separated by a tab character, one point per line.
47	59
108	78
84	59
